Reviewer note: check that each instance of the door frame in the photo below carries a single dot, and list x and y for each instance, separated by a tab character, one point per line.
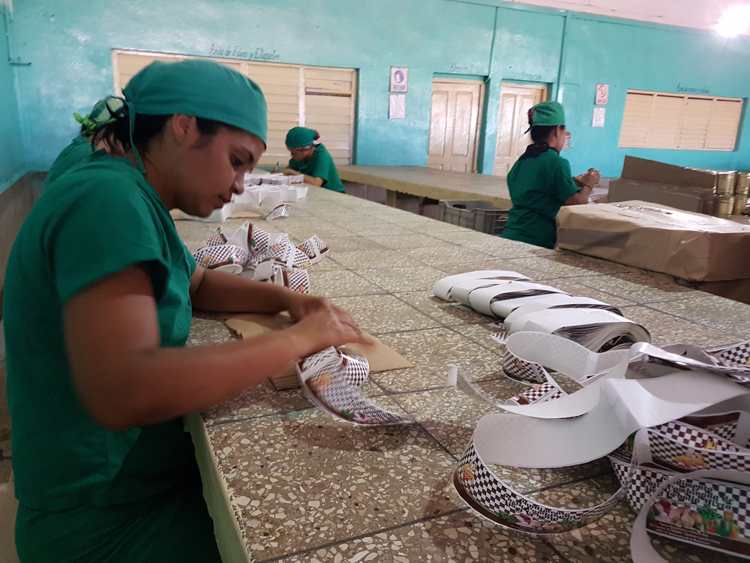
544	87
480	113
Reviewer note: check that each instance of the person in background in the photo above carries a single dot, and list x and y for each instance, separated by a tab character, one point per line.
99	296
540	181
311	158
81	147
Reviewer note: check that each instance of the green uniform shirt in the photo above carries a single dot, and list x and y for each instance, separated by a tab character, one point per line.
97	219
320	165
75	153
539	186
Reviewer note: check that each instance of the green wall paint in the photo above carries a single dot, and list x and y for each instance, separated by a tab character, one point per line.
68	44
12	163
628	56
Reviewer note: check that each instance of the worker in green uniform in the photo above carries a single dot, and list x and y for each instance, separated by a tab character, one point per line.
311	158
98	301
540	181
80	147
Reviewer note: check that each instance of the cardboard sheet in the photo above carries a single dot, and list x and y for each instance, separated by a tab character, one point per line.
380	356
655	237
687	198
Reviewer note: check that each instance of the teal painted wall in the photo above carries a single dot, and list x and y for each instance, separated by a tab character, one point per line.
68	44
647	58
12	162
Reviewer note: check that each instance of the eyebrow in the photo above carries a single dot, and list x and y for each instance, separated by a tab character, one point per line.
245	154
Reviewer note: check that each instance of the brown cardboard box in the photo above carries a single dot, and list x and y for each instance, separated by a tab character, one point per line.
654	171
688	189
687	198
655	237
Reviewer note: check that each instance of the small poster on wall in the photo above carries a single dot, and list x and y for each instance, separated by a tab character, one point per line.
397	106
602	94
399	79
600	115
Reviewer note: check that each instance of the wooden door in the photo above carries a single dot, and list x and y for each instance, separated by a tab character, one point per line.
515	102
454	125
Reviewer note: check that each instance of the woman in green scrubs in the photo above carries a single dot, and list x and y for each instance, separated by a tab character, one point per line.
540	182
80	148
311	158
98	301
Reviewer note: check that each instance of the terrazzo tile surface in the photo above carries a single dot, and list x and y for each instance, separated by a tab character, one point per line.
378	314
341	283
666	329
403	242
262	400
414	278
481	333
366	259
451	538
546	268
447	314
491	263
641	287
711	311
301	481
304	487
431	351
436	255
352	243
577	287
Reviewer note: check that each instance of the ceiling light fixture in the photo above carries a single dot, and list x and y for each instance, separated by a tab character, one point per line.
734	21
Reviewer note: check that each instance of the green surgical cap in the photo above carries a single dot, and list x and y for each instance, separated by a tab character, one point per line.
201	88
299	137
547	113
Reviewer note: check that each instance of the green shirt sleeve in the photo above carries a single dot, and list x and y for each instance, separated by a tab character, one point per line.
323	167
564	183
109	229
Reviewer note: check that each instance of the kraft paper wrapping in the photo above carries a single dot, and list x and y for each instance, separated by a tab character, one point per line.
655	237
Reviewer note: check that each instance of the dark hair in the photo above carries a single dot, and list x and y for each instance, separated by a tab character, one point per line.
146	128
541	133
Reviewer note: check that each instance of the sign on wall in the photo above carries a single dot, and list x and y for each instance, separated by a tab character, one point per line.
602	94
600	115
397	106
399	79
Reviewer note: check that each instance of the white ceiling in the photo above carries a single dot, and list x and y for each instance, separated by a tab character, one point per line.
701	14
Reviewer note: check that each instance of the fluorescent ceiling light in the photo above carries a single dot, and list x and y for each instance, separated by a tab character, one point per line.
734	21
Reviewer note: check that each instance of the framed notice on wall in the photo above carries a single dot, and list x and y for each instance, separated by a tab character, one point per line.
399	79
397	106
602	94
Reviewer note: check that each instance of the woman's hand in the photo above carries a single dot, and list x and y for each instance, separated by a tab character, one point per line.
590	178
290	172
327	326
299	306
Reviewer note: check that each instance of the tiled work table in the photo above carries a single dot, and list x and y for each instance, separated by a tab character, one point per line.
428	182
292	484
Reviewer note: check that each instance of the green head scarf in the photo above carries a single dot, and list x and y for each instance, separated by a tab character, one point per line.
299	137
547	113
201	88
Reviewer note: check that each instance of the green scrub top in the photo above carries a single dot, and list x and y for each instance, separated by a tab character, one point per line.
540	182
75	153
320	165
95	220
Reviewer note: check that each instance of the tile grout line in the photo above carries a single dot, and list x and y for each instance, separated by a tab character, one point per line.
361	536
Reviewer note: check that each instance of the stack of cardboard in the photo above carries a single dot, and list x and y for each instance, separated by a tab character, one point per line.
683	188
708	252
